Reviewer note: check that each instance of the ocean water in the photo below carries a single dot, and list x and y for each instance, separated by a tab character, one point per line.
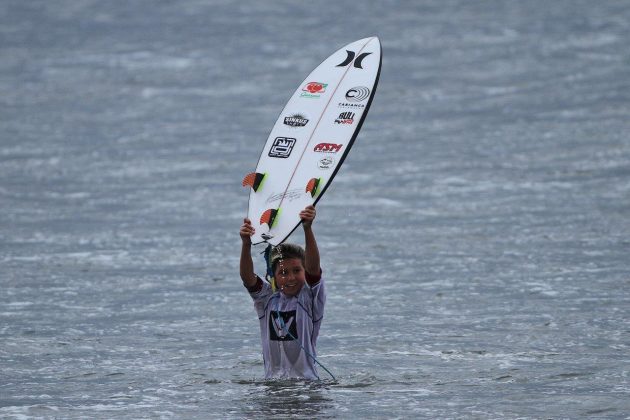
476	242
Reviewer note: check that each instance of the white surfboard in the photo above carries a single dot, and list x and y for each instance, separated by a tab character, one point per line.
311	139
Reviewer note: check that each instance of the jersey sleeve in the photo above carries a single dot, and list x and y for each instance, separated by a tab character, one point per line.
313	279
260	294
318	299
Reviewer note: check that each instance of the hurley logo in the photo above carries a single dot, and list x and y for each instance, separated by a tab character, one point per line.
350	58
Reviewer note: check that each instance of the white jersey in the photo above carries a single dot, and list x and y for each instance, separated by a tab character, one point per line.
289	327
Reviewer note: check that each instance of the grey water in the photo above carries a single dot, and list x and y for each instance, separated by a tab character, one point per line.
475	243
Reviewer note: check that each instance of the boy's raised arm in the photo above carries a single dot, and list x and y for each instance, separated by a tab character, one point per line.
247	265
311	252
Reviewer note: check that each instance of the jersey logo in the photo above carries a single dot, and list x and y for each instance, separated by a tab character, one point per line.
350	58
282	326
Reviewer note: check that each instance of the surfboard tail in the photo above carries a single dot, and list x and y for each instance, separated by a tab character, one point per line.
254	180
269	217
313	186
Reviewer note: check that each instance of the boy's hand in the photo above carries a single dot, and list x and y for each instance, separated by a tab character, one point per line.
308	215
247	230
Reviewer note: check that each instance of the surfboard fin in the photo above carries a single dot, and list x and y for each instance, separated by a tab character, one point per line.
313	186
254	180
269	217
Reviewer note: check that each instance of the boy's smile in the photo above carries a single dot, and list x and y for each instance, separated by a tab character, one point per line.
290	276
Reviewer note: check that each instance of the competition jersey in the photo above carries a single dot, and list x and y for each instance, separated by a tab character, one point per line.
288	326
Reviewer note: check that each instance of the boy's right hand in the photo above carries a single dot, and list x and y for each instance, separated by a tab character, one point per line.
247	230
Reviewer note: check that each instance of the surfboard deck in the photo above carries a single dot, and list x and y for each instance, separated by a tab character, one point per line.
311	138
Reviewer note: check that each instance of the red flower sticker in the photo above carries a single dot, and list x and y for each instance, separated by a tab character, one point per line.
315	87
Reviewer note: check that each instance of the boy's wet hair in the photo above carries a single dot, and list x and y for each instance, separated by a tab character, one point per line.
286	252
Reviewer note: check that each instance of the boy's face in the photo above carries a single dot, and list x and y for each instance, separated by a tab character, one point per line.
290	276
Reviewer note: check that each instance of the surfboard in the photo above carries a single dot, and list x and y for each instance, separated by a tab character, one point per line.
311	139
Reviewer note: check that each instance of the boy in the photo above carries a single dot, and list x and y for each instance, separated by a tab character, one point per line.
289	318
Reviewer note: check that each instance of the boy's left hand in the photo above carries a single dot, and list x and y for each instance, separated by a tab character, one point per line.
308	215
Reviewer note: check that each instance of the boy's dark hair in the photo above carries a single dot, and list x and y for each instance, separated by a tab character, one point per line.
285	252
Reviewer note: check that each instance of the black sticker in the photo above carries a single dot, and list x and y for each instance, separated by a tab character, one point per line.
282	147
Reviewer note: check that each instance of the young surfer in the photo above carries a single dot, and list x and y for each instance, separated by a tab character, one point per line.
291	316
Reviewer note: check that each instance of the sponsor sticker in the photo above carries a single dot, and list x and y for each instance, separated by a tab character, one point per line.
327	148
345	118
313	90
326	163
282	147
296	120
358	94
355	96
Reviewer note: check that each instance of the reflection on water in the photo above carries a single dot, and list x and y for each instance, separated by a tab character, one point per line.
281	398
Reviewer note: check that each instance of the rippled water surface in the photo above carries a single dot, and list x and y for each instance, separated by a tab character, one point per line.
475	242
